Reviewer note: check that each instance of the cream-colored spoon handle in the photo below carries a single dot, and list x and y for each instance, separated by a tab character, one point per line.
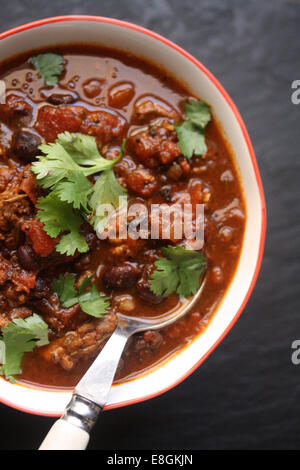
65	436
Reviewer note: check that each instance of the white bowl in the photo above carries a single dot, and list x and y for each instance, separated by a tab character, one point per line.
145	43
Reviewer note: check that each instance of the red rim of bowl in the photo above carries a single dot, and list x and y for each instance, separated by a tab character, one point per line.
140	29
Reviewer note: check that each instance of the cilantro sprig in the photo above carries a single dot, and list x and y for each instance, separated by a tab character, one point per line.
178	272
49	66
87	295
63	169
20	336
59	217
71	154
190	133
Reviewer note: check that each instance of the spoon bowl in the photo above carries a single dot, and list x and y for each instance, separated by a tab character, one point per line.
139	324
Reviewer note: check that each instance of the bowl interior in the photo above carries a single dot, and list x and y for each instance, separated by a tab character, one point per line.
145	44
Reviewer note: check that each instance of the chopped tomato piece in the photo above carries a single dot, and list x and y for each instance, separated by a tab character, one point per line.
52	121
38	238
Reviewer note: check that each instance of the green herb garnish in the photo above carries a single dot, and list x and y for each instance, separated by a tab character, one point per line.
71	154
190	133
88	297
59	217
49	66
107	190
64	168
179	272
20	336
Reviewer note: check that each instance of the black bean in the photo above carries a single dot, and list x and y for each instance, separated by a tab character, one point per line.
25	145
26	258
143	287
165	192
91	239
144	291
174	172
121	276
41	289
58	99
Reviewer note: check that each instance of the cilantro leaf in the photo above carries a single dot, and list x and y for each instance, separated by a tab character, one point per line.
75	190
191	140
64	287
90	300
58	216
20	336
84	151
190	133
106	190
35	326
71	242
88	297
198	112
54	165
49	66
178	272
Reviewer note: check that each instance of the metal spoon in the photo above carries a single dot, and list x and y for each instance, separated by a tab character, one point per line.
90	395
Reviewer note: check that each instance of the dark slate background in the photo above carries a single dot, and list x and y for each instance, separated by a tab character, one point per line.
246	394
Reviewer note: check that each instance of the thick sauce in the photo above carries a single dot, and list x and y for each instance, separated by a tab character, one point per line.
109	80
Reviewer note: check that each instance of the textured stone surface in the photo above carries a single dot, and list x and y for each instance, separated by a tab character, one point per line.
246	395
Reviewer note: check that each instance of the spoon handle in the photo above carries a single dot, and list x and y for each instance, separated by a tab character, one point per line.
72	430
65	436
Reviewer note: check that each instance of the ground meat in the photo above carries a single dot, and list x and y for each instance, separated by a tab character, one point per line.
121	276
168	152
11	271
15	108
142	181
104	126
58	318
6	176
150	107
137	178
15	284
14	209
155	146
17	312
84	342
